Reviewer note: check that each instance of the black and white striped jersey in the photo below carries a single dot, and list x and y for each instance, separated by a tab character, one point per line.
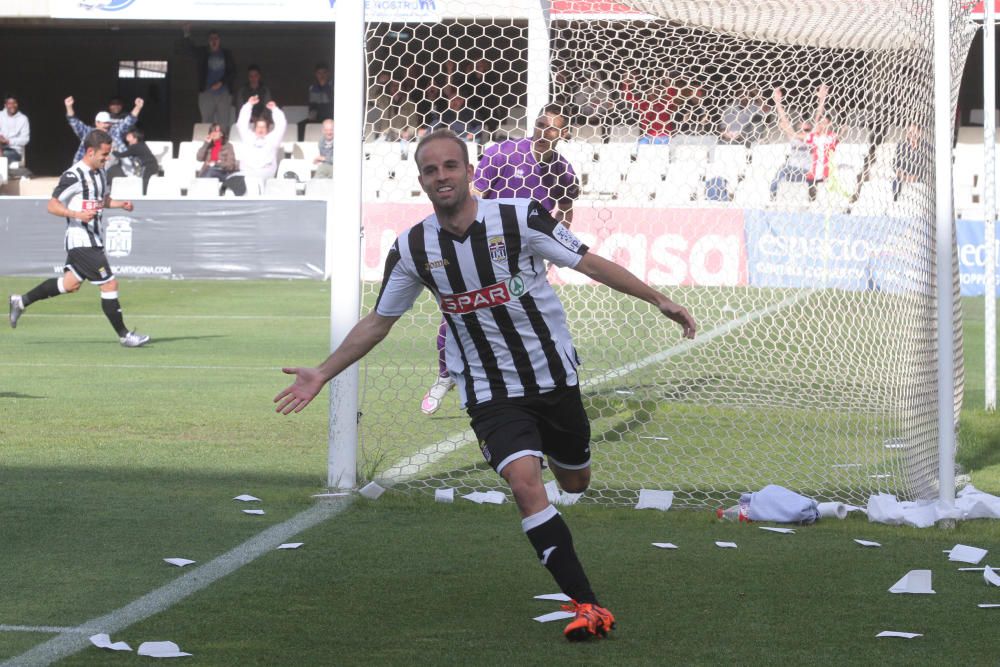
507	333
81	188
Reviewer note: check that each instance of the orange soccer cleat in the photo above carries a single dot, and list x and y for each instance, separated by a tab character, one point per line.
591	620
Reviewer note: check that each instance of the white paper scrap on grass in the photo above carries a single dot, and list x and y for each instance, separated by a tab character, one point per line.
988	605
903	635
771	529
867	543
480	497
290	545
558	597
444	495
103	640
161	650
991	576
554	616
371	490
247	498
726	545
962	553
179	562
257	512
664	545
654	500
914	581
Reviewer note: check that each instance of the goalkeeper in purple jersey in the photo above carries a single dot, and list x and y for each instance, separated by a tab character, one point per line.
529	168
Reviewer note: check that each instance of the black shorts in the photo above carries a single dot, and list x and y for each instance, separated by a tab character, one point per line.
89	264
553	424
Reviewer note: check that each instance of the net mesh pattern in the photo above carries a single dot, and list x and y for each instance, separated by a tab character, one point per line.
801	238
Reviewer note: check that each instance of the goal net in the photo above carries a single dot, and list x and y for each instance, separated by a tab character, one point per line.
797	226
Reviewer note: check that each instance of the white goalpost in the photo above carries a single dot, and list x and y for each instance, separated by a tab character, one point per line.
829	353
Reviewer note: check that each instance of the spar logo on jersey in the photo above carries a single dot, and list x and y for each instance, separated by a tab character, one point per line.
498	249
105	5
566	237
486	297
118	237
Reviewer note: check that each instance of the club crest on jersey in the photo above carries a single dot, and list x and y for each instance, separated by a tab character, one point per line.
485	297
498	248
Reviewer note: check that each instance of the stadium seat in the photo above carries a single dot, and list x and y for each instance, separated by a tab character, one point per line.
188	150
161	186
280	188
874	199
301	168
687	152
580	154
624	132
126	187
161	150
319	188
593	134
613	162
4	175
679	187
295	113
313	133
237	148
653	156
255	186
204	188
305	150
882	167
641	181
199	132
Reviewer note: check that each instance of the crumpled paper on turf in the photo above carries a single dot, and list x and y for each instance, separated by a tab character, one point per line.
970	503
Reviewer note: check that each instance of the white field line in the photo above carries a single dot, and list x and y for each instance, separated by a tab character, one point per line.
99	316
181	367
37	628
73	640
433	453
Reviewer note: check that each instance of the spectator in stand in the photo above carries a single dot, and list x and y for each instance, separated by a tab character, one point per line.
216	75
324	160
262	142
116	109
691	115
528	168
254	87
136	159
912	161
812	145
595	99
741	121
321	95
656	109
102	122
218	160
459	118
15	131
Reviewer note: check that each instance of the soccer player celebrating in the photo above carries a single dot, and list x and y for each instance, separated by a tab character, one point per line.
529	168
510	351
79	197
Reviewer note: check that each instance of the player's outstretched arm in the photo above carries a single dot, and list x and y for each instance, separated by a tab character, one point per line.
622	280
365	335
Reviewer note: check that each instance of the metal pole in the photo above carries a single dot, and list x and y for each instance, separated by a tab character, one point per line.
343	232
945	297
538	60
990	201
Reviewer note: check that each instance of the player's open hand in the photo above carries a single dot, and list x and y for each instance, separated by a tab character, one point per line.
679	314
253	99
296	396
272	105
69	101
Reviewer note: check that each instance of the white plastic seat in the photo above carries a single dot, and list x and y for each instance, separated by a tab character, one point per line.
126	187
313	133
280	188
319	188
204	188
301	168
162	186
305	150
188	150
161	150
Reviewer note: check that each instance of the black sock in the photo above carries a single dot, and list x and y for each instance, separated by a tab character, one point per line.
553	543
113	311
43	290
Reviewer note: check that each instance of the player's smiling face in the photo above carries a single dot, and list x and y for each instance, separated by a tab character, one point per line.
444	173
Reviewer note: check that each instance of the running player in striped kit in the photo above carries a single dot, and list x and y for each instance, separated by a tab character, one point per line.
80	196
509	349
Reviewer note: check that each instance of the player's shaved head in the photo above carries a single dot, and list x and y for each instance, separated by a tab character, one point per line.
441	134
